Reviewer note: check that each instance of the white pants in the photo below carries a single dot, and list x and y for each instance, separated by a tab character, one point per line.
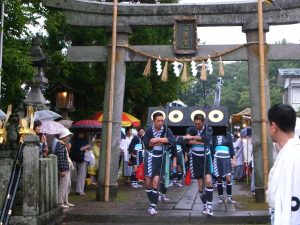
64	187
81	168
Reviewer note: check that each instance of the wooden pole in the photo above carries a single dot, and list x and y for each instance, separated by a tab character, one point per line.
1	43
111	79
262	74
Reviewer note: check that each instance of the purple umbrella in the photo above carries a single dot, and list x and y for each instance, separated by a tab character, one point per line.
51	127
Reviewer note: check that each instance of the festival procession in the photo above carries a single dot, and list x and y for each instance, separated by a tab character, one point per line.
149	112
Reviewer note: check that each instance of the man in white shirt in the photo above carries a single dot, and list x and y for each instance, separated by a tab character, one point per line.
127	168
239	154
283	193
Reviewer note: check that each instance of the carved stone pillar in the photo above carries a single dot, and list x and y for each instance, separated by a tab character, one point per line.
251	30
118	98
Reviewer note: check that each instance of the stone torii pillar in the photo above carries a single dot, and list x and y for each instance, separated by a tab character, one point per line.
251	30
119	88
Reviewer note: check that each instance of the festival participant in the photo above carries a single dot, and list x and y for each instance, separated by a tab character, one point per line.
156	141
173	168
135	150
179	161
283	194
163	185
224	161
198	140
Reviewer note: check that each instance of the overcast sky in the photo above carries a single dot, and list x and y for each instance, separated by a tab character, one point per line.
217	35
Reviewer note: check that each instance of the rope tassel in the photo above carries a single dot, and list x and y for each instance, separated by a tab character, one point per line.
184	77
203	72
221	68
164	76
147	70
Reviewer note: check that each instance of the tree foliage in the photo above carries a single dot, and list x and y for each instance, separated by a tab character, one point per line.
89	78
235	90
17	67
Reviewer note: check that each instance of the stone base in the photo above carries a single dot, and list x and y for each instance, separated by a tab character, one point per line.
42	219
113	192
260	194
8	154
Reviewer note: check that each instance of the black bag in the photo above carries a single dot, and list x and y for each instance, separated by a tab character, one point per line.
76	155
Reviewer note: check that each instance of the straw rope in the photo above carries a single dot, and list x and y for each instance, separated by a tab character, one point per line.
184	59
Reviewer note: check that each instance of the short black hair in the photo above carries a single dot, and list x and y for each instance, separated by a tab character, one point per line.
199	117
140	128
127	129
157	114
284	116
236	135
37	123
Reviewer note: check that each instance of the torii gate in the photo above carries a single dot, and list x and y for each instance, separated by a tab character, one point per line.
99	14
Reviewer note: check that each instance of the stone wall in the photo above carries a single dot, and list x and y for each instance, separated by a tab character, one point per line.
37	195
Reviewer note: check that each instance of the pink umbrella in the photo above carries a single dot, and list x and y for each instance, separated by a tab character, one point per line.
51	127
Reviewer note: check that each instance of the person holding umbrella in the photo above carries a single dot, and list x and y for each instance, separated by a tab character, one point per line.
43	140
79	146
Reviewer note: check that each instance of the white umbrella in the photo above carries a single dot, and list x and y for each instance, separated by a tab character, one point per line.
66	123
51	127
46	115
2	115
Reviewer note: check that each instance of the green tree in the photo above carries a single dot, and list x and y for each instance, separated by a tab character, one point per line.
16	47
87	78
235	90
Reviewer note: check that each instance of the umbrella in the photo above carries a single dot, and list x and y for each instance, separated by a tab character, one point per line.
46	115
2	115
87	125
127	119
66	123
51	127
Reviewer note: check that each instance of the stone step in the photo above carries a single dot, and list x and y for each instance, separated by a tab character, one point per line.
169	217
80	223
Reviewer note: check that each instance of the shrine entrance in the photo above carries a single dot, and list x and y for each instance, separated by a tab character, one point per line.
99	14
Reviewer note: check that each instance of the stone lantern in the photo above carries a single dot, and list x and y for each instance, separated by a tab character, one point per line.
35	96
64	99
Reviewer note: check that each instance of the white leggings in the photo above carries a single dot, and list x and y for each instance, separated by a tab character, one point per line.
64	186
81	168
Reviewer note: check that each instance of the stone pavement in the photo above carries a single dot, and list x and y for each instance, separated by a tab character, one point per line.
184	207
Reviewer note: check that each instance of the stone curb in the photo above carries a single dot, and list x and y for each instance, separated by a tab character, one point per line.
171	217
